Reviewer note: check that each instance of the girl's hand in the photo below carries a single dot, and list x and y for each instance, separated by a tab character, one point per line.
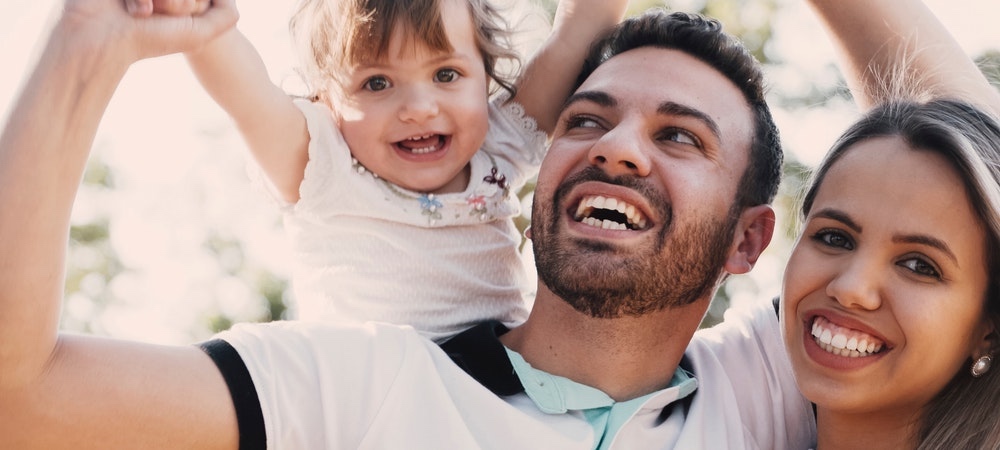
145	8
113	29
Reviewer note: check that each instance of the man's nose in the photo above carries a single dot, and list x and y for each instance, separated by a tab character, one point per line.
621	152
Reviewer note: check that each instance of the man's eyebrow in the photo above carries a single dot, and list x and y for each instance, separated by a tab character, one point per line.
599	97
666	108
677	109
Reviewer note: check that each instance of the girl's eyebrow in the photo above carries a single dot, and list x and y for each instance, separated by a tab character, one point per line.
384	62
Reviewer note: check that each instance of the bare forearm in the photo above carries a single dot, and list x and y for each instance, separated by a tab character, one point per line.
43	150
233	73
87	393
881	41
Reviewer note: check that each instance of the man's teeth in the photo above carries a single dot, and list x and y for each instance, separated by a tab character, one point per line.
609	213
844	341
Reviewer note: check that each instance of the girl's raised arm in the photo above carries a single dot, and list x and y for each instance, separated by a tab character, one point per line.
234	75
550	74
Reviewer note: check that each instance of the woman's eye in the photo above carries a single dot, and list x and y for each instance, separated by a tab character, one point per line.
680	136
446	75
376	84
835	239
920	267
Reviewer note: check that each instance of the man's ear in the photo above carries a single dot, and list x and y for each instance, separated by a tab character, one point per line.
753	233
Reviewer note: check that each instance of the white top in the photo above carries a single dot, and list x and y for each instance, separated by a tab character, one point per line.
378	386
367	249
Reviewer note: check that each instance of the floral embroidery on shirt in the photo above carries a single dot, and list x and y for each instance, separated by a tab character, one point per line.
430	207
497	178
478	204
493	187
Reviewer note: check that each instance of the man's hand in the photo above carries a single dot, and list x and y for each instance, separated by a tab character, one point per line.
107	27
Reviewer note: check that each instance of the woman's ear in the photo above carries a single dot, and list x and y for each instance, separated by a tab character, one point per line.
752	235
986	341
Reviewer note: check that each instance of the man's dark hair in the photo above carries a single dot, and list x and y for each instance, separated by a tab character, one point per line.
703	38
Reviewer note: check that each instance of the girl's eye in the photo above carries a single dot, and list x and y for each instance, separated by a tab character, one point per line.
835	239
376	83
446	75
680	136
920	266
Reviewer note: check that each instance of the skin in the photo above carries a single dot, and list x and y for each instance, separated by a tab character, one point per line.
873	37
234	75
438	99
100	393
51	382
627	133
911	278
71	391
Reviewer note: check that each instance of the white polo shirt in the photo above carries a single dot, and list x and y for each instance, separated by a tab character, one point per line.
380	386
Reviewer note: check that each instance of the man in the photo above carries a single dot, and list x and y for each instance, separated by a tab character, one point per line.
655	186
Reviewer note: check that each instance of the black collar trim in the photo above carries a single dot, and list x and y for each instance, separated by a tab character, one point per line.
480	354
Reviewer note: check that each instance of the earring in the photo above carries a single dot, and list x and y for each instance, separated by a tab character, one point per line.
981	366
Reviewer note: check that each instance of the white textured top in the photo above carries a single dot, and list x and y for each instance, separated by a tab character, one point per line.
378	386
367	249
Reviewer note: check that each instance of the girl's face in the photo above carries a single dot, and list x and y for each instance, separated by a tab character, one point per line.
417	117
884	291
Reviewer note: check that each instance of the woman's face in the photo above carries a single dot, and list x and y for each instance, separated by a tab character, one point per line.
883	293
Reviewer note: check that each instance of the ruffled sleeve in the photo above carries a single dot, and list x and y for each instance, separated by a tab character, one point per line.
515	137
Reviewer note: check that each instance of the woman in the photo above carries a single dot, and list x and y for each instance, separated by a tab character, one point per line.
890	303
890	309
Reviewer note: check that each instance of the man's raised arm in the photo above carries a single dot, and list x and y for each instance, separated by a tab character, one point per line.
75	392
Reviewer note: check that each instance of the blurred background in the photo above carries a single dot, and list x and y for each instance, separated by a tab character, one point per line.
170	243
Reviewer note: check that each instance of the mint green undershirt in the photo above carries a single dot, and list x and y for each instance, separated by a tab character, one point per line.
557	395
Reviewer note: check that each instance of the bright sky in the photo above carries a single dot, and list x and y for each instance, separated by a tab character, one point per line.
179	165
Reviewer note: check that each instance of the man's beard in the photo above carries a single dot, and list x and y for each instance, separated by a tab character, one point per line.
683	265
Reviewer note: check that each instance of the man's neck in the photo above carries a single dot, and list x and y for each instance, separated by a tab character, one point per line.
624	357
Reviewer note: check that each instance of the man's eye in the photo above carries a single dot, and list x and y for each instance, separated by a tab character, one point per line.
446	75
581	122
834	239
376	84
680	136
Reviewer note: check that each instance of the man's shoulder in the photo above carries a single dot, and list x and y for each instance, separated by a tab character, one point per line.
327	340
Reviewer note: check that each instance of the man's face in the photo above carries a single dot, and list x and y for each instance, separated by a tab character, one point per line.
633	209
